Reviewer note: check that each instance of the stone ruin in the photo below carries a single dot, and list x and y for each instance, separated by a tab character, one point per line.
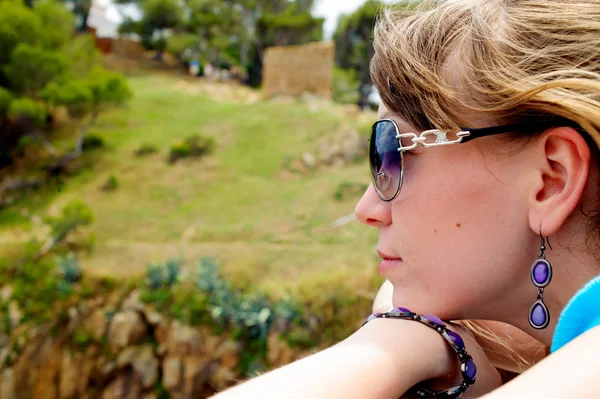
291	71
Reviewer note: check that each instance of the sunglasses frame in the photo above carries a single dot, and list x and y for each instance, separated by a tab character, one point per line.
441	139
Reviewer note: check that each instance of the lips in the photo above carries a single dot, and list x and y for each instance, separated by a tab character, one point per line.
385	256
388	262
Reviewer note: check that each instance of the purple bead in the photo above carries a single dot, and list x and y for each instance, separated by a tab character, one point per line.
373	316
541	272
539	315
403	310
456	338
434	319
470	369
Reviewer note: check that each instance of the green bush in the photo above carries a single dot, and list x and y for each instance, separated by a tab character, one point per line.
69	268
75	95
346	86
92	142
5	99
18	24
193	146
58	22
112	183
145	149
74	214
108	88
26	108
31	68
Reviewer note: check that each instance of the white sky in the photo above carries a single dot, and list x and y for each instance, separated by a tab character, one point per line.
330	9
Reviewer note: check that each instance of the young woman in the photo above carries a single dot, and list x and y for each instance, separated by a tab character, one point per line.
486	196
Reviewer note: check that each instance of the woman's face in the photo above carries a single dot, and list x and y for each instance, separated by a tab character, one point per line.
457	234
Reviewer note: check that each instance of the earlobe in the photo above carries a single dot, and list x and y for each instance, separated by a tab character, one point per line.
564	162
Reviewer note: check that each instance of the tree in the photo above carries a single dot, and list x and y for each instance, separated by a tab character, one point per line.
43	66
354	40
85	99
32	68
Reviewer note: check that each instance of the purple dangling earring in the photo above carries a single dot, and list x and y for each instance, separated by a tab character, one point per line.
541	275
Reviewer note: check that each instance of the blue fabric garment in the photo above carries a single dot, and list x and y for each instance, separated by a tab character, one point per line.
581	314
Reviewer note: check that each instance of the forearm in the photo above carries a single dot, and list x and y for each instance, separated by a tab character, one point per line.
572	372
381	360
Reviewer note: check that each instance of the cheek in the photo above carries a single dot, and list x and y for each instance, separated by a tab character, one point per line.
448	220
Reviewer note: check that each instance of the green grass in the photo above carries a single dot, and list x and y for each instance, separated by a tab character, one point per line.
269	232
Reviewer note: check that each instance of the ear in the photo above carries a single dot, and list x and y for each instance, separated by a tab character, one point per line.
563	162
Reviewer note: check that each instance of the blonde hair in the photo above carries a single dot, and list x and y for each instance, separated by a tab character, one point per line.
504	60
466	62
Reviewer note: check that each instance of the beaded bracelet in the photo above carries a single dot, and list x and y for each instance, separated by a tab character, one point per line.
467	366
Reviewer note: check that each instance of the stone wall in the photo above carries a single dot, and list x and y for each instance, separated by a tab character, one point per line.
117	347
293	70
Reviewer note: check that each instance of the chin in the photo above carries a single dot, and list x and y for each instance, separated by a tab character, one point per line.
425	303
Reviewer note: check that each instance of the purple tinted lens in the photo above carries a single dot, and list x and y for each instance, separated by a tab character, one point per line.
385	160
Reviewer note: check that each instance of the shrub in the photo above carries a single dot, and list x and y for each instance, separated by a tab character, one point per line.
145	149
154	276
70	268
74	214
5	99
92	141
111	184
193	146
18	24
75	95
108	88
26	108
32	68
346	86
173	268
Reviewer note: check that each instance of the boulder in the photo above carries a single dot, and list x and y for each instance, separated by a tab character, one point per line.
14	315
172	369
126	328
96	324
142	361
181	340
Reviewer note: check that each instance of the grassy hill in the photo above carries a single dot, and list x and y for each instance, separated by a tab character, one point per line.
270	229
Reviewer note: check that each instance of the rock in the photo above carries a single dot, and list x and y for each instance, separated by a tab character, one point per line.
6	293
96	324
172	369
133	302
126	328
228	354
309	160
222	378
278	352
155	319
143	363
331	154
68	376
73	313
352	148
7	385
125	386
182	340
197	371
14	315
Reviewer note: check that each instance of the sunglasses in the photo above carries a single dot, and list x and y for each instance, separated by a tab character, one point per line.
386	148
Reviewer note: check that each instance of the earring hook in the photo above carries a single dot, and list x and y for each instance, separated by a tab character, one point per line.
544	240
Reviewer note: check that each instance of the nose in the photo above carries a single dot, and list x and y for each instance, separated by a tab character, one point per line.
371	210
